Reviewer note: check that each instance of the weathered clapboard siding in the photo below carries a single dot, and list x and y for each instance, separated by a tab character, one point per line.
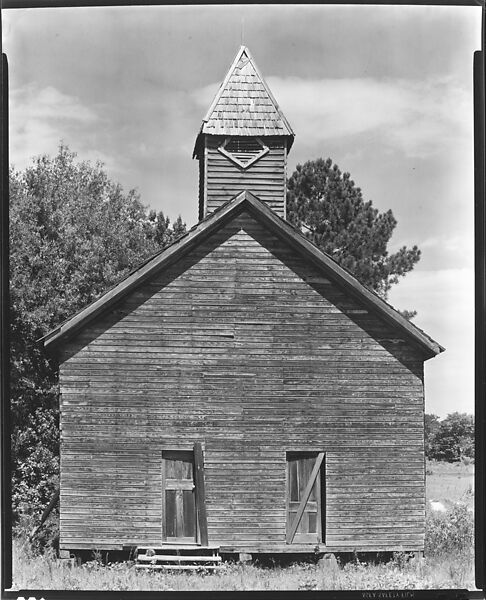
245	347
221	179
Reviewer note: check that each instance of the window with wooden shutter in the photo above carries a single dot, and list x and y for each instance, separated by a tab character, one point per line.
243	150
305	487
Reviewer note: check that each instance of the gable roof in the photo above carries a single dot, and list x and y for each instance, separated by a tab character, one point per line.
282	229
244	104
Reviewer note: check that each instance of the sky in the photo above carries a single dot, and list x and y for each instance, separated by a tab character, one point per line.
384	91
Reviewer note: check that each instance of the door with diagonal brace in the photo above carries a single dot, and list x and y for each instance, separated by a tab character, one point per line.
305	497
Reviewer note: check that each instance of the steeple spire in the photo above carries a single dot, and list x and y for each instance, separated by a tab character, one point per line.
243	126
244	104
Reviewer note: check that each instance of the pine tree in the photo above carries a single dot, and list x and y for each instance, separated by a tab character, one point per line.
329	209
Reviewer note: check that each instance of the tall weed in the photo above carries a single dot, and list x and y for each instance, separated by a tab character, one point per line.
448	563
449	532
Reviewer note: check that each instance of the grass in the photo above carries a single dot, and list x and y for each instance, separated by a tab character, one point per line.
454	571
449	561
450	483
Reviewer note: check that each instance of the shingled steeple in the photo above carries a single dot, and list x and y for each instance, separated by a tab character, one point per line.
243	141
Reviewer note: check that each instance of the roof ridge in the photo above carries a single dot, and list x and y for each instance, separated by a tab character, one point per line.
281	228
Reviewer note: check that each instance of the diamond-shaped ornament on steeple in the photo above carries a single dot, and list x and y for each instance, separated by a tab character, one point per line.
243	151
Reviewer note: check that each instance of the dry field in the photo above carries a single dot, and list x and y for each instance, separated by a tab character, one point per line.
450	482
449	562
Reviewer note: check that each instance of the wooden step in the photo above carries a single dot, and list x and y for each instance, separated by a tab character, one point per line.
178	558
176	546
181	567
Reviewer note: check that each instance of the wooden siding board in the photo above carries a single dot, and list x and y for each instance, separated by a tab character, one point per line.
253	376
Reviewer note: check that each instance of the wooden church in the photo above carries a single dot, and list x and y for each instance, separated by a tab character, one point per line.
240	391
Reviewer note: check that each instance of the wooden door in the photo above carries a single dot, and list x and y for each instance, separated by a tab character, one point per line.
304	505
179	522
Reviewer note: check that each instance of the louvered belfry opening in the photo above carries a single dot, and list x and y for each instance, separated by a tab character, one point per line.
243	141
244	146
243	151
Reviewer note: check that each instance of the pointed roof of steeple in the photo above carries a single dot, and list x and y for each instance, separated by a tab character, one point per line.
244	104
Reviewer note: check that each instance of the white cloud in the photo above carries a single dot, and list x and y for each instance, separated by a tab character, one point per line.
50	103
444	300
420	118
453	248
204	96
451	244
41	117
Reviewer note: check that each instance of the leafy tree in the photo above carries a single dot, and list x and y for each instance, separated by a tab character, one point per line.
454	438
163	232
330	210
74	234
